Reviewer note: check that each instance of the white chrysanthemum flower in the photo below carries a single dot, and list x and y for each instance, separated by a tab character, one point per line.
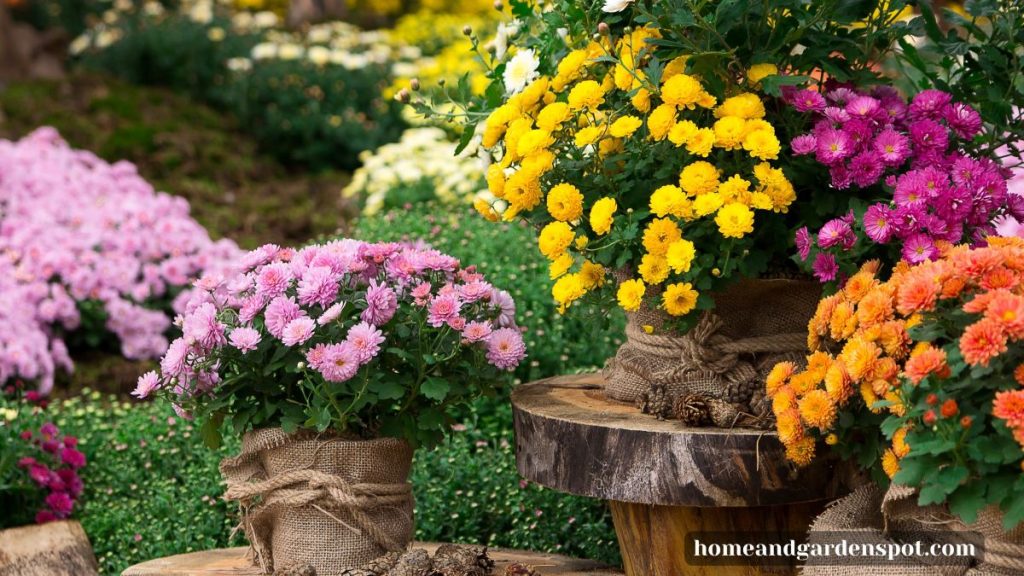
264	51
290	52
520	71
616	5
239	64
318	55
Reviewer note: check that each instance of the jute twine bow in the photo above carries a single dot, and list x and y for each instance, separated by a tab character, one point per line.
705	350
326	491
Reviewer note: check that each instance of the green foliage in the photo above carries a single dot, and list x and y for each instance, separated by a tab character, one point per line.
73	16
507	255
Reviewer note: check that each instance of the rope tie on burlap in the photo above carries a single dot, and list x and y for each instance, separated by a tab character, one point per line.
312	488
704	349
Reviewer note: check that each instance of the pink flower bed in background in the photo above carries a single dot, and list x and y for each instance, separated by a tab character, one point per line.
74	228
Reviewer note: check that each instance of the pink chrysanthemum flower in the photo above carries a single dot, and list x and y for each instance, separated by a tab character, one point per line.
476	331
442	309
298	331
273	280
825	267
318	286
381	304
877	223
245	339
366	340
804	242
340	362
505	348
148	383
331	314
919	248
279	313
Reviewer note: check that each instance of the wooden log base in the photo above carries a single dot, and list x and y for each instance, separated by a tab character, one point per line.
572	438
653	538
235	562
52	549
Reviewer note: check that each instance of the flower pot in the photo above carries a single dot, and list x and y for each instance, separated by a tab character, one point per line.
755	323
51	549
327	501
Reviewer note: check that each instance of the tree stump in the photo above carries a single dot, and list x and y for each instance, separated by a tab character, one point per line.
52	549
666	482
235	562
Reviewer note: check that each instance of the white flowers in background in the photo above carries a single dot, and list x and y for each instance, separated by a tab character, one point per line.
616	5
318	55
239	64
290	51
201	12
520	71
422	155
501	37
264	51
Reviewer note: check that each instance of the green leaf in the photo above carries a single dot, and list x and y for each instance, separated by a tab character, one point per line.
911	471
388	390
210	431
435	389
950	478
967	500
1013	513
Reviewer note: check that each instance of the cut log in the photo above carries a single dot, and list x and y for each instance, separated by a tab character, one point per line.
52	549
235	562
572	438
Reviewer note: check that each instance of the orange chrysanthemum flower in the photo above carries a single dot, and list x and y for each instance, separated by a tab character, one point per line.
917	293
859	357
890	463
1000	277
817	410
817	364
779	375
783	400
859	285
930	360
837	383
804	382
867	393
899	442
843	322
1007	309
876	307
801	452
789	427
979	304
894	339
1018	374
1009	406
982	341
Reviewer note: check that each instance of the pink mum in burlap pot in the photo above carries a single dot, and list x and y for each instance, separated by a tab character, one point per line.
360	350
755	323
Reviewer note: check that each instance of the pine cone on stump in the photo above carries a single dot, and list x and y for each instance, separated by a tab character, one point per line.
692	410
454	560
296	570
655	402
413	563
517	569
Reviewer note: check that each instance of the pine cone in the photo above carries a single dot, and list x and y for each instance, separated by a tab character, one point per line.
413	563
376	567
692	410
296	570
517	569
740	392
454	560
655	402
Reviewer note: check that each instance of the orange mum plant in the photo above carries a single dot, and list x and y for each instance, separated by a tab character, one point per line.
920	379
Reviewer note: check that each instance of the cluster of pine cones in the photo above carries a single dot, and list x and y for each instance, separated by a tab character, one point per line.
700	410
449	560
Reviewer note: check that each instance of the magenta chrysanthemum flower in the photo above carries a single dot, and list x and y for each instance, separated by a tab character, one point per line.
273	280
244	339
808	101
804	144
442	309
331	314
279	313
298	331
919	248
911	189
825	267
835	232
963	119
366	340
866	168
833	146
929	135
202	327
340	362
476	331
893	147
147	384
505	348
506	306
318	286
381	304
877	223
863	107
836	114
804	243
929	104
60	503
73	458
172	364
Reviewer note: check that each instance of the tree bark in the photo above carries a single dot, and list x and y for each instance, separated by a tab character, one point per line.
53	549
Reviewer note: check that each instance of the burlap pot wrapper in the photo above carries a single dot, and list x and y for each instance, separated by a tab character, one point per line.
333	503
874	516
755	324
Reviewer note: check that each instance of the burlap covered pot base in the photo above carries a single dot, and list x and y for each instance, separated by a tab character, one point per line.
755	324
333	503
872	516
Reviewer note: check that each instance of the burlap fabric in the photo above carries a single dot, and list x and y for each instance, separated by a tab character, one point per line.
873	516
755	324
330	502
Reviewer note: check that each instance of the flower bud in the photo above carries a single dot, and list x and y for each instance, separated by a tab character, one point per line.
966	422
498	5
930	417
467	30
949	408
932	399
403	96
414	84
603	29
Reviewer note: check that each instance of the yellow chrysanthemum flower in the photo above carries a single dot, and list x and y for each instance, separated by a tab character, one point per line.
679	299
759	72
486	210
587	136
729	132
567	290
641	100
587	94
550	117
592	275
890	463
625	126
602	215
533	141
669	200
762	145
554	239
735	220
681	132
778	376
682	91
660	234
661	121
565	202
735	189
817	409
698	178
569	69
496	180
801	452
708	203
899	442
701	142
631	294
675	67
680	256
559	266
653	269
789	427
747	106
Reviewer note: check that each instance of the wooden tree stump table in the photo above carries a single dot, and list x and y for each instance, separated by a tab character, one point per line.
235	562
665	482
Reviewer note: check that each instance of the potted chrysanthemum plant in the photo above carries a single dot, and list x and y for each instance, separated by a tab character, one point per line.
336	361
